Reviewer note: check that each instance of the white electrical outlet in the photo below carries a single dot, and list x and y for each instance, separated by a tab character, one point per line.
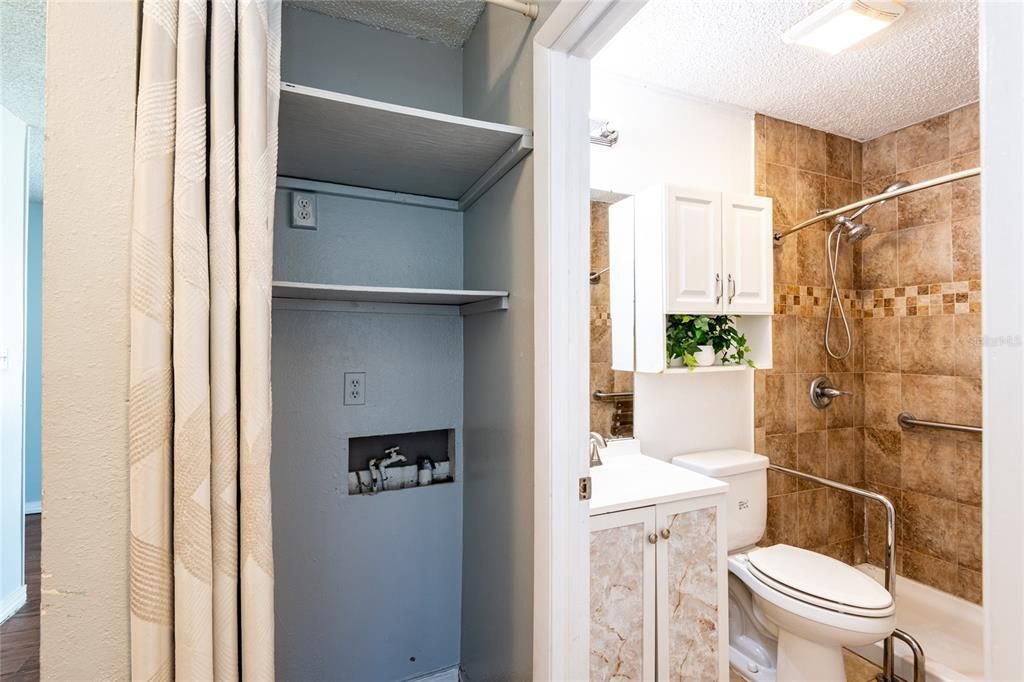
355	388
304	210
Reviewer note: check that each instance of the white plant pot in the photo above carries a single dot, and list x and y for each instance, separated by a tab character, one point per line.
705	357
675	362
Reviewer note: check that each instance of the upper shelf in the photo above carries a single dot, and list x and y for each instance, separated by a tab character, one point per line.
331	137
469	301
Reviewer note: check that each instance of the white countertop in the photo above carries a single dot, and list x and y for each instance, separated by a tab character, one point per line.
629	479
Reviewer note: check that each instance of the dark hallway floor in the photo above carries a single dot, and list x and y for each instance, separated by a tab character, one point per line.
19	635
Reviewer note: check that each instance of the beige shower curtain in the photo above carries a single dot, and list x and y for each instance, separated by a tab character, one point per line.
201	559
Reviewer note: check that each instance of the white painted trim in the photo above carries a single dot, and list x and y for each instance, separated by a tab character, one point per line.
13	601
35	507
564	45
1002	251
444	675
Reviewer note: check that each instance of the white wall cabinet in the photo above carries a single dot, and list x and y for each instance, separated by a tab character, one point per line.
693	251
658	593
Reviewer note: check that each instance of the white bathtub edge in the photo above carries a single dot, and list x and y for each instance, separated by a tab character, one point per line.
935	671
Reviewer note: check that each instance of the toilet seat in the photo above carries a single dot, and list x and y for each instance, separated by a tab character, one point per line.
820	581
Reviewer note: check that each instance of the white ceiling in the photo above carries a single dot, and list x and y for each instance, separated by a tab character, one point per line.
731	51
22	58
448	22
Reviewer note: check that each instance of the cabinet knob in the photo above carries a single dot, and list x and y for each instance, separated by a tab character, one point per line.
665	533
652	538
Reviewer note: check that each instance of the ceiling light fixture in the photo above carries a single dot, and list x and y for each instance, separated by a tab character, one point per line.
842	23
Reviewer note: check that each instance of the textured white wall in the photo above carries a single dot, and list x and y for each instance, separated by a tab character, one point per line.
668	137
90	113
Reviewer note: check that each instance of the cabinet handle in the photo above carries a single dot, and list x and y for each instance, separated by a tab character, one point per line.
732	288
666	533
718	288
652	538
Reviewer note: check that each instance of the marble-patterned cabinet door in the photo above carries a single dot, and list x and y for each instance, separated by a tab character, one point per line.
622	594
692	602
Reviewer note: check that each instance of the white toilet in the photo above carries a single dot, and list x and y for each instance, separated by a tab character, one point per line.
791	611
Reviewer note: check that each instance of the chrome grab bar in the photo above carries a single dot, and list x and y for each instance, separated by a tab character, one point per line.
909	421
615	395
952	177
915	648
890	556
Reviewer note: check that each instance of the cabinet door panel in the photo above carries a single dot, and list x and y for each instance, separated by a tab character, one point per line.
622	595
693	251
692	613
748	244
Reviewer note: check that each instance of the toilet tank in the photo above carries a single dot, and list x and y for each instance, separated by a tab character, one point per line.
747	476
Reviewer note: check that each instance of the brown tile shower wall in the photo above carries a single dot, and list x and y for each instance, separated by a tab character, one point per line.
803	170
602	377
913	293
921	296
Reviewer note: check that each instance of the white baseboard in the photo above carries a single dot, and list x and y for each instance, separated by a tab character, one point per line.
34	507
12	601
446	675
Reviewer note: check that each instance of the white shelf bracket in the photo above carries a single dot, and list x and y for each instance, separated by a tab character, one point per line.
490	305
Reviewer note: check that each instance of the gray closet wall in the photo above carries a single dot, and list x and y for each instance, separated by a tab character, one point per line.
367	587
497	595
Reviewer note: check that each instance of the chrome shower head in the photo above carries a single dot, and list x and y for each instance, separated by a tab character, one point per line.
854	232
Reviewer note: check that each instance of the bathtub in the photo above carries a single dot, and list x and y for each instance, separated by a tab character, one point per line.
948	628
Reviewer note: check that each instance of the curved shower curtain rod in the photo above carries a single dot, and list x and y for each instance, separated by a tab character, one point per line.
924	184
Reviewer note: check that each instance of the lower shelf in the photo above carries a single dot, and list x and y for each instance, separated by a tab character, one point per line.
702	370
469	301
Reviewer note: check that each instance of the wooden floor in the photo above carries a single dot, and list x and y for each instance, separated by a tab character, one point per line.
19	635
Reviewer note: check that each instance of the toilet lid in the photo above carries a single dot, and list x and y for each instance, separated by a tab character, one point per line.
819	577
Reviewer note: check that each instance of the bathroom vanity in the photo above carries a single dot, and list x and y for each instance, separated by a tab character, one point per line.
658	576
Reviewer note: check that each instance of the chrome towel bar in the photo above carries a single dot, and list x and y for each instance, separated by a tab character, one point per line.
908	421
619	395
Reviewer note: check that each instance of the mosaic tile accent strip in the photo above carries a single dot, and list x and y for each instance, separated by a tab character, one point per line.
792	299
947	298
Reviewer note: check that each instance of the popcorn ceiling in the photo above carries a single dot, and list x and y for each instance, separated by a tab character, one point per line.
732	52
449	22
22	56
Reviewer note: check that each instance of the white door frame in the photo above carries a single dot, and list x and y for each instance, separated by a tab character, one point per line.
573	34
1002	250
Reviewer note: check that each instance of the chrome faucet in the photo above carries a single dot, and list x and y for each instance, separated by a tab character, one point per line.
597	443
822	392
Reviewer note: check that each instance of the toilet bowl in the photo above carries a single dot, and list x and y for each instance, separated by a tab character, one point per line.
814	606
791	610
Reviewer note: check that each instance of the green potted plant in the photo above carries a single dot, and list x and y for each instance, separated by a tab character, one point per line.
697	340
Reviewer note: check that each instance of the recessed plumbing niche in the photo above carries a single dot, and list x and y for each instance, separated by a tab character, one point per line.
399	461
